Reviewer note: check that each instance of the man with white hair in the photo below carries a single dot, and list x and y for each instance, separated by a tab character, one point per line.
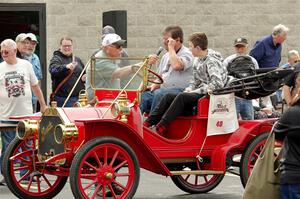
267	51
293	58
17	79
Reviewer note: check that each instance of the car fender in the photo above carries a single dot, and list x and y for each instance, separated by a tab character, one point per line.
239	140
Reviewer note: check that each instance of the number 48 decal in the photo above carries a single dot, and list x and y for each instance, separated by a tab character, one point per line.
219	124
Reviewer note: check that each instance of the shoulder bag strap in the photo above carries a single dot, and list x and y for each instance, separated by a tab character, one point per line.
63	81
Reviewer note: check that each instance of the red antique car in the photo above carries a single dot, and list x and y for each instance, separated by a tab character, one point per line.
102	147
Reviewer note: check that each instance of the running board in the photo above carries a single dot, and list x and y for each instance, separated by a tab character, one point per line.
196	172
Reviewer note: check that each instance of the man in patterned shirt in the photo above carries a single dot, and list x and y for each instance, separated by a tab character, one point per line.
209	74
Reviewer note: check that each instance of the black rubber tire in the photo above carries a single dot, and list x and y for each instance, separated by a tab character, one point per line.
187	187
8	176
74	171
246	156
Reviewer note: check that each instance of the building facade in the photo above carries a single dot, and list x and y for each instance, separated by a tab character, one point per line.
222	20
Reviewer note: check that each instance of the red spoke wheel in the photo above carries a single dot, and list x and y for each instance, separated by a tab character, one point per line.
196	184
25	175
250	155
104	167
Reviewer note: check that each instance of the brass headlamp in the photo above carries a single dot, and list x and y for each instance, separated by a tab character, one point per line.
65	133
27	129
121	108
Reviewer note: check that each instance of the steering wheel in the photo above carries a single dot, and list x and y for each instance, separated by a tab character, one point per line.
153	77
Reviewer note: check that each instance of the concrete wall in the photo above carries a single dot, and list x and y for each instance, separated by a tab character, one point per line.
222	20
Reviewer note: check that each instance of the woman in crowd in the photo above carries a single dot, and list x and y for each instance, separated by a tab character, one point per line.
65	69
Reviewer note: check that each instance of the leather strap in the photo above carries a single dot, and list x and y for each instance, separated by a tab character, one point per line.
63	81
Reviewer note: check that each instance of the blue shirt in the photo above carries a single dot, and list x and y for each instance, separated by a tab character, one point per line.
266	53
286	65
35	61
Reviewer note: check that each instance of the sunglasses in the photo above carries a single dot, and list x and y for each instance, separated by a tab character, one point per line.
239	46
116	46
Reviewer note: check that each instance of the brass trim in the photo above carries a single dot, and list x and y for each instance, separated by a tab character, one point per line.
122	91
121	108
108	176
69	133
119	58
29	128
82	99
52	111
144	64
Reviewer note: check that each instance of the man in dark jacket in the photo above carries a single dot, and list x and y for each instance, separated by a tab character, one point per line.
288	130
64	65
267	50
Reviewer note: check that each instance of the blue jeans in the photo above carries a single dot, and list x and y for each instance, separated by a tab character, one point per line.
6	139
279	95
150	99
61	100
290	191
244	108
34	105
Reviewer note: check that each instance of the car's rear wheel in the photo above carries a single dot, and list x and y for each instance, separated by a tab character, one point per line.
25	176
104	166
251	153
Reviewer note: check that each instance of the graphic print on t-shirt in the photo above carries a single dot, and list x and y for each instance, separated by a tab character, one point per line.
14	84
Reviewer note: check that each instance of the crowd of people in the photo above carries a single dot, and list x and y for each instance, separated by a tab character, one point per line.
188	73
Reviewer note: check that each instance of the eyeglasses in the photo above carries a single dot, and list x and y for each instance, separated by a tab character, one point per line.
66	46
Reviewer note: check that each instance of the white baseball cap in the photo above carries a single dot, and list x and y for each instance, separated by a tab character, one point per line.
22	37
112	39
32	37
